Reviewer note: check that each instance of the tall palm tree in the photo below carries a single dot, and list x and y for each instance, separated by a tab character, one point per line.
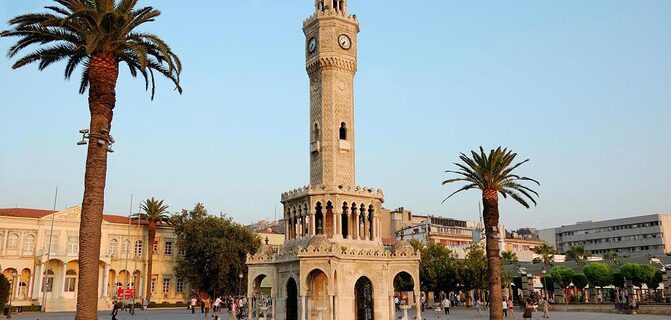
492	174
96	35
509	257
546	252
579	254
155	212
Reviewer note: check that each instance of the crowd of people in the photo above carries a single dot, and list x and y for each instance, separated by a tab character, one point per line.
237	307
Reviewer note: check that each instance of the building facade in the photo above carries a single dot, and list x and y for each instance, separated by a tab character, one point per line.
332	264
46	262
648	234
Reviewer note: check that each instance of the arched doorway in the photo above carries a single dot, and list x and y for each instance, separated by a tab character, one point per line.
292	300
318	284
404	287
363	293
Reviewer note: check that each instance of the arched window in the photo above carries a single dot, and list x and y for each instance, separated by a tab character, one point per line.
315	132
126	247
29	244
343	131
114	244
70	280
138	248
13	242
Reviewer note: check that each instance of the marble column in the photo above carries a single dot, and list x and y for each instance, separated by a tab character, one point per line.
374	227
273	301
418	306
392	306
249	307
331	309
37	284
303	307
62	287
312	224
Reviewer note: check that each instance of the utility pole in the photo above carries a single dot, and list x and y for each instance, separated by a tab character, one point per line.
51	237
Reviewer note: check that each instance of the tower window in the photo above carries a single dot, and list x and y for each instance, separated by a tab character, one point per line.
316	132
343	131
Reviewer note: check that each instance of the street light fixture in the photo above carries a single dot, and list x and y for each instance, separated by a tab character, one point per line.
135	285
240	283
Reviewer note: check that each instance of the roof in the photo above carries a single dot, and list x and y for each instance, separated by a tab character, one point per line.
25	212
41	213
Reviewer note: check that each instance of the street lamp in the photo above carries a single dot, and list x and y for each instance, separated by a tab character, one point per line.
545	283
240	283
135	284
11	293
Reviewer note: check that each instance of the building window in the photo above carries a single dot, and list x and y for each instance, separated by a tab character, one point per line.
138	248
73	245
154	247
53	240
70	280
168	248
29	244
126	247
48	283
13	242
180	285
113	248
166	285
153	284
343	131
2	242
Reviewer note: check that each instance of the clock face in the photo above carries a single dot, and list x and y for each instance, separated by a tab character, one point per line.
312	45
344	42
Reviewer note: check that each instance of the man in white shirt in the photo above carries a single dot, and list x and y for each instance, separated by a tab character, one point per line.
217	304
505	308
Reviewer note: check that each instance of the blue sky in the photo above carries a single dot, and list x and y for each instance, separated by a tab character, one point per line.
581	88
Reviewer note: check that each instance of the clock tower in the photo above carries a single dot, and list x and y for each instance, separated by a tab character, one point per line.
331	62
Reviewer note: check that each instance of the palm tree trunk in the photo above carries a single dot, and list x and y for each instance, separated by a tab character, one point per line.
491	219
151	226
103	73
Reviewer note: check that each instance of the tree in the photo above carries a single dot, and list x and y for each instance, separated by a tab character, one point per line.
155	212
508	257
5	287
598	274
638	274
656	280
579	280
611	256
215	251
562	276
548	283
98	35
546	252
493	174
475	269
438	267
618	280
578	254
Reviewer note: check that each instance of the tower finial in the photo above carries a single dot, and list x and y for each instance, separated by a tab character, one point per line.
331	5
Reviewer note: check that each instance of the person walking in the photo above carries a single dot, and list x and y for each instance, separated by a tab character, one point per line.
422	300
478	306
115	309
528	309
207	303
511	308
217	305
546	308
505	308
194	301
446	305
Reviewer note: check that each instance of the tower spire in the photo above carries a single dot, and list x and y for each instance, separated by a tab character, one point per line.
331	5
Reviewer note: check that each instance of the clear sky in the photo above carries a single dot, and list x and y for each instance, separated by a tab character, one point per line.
582	88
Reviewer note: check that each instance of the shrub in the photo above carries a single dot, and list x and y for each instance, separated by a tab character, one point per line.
598	274
579	280
562	276
638	274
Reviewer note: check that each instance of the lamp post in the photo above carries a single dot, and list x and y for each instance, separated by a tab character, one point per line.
545	283
11	293
240	283
135	285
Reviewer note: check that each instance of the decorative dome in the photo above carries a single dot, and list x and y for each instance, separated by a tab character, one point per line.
319	241
266	250
403	247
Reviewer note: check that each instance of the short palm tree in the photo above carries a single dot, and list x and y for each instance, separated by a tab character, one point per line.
97	35
612	257
492	174
155	212
508	257
546	253
579	254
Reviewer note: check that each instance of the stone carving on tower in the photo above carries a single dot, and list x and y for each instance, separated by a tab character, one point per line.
333	257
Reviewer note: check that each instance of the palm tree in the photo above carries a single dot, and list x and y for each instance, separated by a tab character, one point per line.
492	174
612	257
579	254
509	257
546	252
97	35
155	212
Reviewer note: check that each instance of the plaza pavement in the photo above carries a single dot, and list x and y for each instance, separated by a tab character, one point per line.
456	314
